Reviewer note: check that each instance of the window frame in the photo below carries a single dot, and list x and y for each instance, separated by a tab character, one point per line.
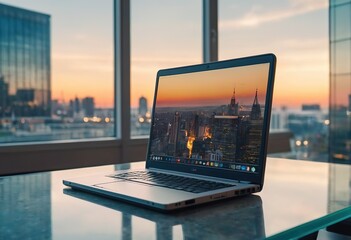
56	155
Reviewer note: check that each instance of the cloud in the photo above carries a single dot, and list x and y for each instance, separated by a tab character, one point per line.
257	16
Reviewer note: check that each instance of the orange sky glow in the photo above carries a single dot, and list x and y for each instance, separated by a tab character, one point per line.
214	87
293	86
82	61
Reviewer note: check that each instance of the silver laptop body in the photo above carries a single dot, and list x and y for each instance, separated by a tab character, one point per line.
208	137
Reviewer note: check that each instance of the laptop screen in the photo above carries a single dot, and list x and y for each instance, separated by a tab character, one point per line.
211	119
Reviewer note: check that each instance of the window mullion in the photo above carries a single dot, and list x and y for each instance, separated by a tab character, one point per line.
122	72
210	30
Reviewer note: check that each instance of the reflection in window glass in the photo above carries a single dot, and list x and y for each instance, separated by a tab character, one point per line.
340	126
164	34
297	32
342	91
336	2
56	70
340	82
342	57
342	21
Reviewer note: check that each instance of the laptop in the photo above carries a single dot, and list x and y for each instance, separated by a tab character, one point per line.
208	137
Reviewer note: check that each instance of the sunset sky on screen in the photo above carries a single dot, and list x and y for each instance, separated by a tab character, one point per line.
212	88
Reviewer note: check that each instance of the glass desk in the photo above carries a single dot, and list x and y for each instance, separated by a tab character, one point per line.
298	198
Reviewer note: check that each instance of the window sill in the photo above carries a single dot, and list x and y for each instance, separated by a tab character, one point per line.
279	141
29	157
36	157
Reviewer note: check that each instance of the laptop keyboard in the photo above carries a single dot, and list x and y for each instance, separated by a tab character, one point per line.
172	181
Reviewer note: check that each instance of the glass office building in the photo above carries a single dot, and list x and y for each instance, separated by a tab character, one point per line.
340	80
24	63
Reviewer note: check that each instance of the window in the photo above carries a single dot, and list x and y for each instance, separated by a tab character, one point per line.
340	81
297	32
101	77
56	70
164	34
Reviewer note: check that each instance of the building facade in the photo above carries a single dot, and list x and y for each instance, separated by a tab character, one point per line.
25	73
142	106
88	105
340	80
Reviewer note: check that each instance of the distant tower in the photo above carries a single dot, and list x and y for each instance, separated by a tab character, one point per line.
76	105
175	129
88	105
233	108
225	135
196	125
256	109
4	95
173	138
142	106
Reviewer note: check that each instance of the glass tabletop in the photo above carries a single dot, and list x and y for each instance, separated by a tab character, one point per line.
298	197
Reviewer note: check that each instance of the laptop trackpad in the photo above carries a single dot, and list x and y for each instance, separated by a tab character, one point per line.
145	191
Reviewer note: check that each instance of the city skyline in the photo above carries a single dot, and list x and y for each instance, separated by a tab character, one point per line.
222	133
77	62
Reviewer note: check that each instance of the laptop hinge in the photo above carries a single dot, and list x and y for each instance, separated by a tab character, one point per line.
246	182
195	175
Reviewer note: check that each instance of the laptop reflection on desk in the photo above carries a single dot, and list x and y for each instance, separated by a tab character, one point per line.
239	219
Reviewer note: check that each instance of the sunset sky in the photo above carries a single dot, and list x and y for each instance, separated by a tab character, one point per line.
213	88
167	33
